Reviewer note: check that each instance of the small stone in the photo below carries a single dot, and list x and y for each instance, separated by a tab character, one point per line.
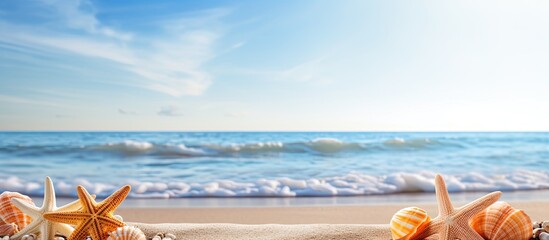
537	231
545	225
28	237
119	218
544	236
170	236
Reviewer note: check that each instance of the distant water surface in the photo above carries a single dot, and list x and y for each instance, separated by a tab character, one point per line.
283	164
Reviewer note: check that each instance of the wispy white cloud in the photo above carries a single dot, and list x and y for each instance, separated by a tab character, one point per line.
170	111
313	71
28	101
80	14
170	62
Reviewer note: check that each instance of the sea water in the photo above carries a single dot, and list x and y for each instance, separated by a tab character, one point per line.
271	164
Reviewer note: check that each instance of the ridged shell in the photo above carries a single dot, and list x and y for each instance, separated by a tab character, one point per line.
127	233
8	229
407	222
500	221
9	213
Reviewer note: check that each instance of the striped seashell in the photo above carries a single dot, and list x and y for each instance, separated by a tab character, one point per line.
127	233
500	221
8	229
407	222
9	213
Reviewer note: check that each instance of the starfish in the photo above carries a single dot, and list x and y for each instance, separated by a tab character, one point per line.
46	229
453	223
95	219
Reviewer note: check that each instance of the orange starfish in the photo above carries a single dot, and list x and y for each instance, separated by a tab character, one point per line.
95	219
453	223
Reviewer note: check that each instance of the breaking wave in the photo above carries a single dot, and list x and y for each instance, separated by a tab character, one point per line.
351	184
315	146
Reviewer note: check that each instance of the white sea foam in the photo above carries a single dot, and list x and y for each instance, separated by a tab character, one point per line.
350	184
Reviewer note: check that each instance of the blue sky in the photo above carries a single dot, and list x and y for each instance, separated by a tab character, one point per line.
274	65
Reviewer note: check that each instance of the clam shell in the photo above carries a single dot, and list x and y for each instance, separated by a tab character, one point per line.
8	229
502	222
9	213
407	222
127	233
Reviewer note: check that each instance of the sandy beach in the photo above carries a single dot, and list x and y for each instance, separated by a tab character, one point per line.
318	222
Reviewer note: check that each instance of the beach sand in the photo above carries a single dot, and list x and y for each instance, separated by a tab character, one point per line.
318	222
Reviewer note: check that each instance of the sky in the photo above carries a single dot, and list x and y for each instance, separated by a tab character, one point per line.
274	65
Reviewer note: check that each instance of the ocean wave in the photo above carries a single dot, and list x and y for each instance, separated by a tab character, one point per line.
314	146
351	184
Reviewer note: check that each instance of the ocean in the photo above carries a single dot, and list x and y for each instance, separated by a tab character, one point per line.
272	164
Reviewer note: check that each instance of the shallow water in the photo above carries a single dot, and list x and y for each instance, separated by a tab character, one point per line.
238	164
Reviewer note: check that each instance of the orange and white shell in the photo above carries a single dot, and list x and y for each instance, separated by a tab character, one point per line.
502	222
408	222
127	233
7	229
9	213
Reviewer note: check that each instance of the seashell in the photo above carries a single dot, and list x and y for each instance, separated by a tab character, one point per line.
407	222
8	229
127	233
9	213
502	222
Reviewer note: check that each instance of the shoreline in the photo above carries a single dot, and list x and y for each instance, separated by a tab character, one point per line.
335	201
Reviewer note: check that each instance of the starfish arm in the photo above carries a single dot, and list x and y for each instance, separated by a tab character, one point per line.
81	231
72	218
114	200
27	208
49	195
476	206
33	227
61	228
70	207
444	204
111	222
45	232
465	232
88	204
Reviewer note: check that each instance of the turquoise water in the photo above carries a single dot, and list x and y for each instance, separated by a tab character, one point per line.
234	164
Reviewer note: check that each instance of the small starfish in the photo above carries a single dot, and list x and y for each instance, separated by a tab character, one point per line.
46	229
95	219
453	223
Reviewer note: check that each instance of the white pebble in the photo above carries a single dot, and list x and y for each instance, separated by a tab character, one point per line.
28	237
169	236
537	231
156	238
5	238
545	225
119	218
544	236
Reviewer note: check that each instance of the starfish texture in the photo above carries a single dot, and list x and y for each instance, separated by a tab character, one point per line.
453	223
95	219
44	229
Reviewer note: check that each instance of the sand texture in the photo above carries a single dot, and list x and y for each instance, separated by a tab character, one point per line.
331	222
268	231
